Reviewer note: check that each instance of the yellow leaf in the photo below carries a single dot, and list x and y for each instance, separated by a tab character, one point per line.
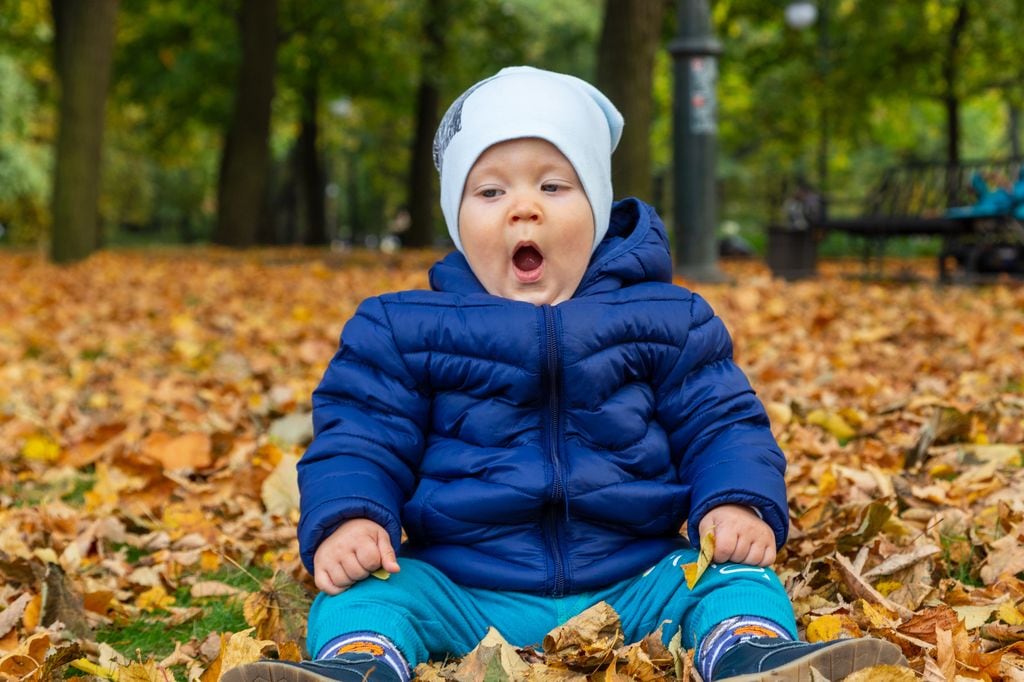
833	423
824	629
887	587
1010	614
381	574
154	598
828	482
46	554
882	673
40	448
878	615
88	667
30	619
694	571
209	561
236	649
150	671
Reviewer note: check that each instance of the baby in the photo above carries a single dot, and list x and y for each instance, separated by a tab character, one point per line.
541	424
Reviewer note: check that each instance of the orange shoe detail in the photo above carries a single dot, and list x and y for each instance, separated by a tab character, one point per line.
362	648
755	630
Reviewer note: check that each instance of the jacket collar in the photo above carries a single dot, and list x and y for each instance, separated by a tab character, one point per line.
634	250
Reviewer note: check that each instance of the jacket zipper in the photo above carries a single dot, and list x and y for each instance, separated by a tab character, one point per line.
558	493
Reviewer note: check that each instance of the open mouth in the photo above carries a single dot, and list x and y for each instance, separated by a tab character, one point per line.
528	262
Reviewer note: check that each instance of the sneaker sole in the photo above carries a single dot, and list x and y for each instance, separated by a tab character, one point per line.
834	662
272	671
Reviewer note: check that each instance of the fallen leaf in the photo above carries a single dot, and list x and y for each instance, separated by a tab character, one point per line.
236	649
14	612
212	588
155	598
587	640
280	490
492	659
693	571
189	451
882	673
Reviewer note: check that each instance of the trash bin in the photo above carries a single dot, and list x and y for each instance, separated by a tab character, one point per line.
792	253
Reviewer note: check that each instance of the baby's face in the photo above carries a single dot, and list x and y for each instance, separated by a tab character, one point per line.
526	225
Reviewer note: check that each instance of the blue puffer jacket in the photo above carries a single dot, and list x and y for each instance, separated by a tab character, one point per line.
548	449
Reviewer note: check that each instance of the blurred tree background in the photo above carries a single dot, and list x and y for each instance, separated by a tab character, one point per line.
306	121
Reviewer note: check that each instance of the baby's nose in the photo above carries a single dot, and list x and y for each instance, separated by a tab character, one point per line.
525	211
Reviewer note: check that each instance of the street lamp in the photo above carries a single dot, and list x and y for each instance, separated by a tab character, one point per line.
800	15
695	143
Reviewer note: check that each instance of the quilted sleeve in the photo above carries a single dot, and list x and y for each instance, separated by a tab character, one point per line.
369	420
718	429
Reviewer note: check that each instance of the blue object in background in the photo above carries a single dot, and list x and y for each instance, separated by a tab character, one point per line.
994	203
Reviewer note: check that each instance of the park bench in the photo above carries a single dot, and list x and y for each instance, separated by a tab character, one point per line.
915	200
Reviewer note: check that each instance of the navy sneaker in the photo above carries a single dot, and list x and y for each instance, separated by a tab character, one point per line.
349	667
766	658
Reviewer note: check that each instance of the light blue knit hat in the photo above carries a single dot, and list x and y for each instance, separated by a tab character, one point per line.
521	101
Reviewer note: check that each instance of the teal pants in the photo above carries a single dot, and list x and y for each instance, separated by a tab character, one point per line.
428	616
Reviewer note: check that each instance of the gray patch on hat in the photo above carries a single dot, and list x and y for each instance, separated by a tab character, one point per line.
451	124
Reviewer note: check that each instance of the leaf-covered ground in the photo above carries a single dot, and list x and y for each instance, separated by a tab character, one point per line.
153	404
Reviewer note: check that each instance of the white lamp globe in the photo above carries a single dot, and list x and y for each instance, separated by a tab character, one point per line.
800	15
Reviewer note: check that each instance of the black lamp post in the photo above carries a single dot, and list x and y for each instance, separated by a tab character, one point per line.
801	15
695	122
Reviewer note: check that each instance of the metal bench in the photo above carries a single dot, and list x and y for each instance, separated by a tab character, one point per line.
913	199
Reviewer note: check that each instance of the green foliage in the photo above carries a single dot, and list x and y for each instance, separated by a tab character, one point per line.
880	83
24	161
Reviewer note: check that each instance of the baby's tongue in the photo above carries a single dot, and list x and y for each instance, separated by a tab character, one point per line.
527	258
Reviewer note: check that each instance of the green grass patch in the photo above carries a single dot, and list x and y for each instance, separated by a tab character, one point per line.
959	559
150	634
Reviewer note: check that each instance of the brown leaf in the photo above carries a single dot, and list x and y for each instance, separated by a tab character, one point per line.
57	660
190	451
924	625
12	615
586	641
861	588
492	659
236	649
212	588
149	671
278	610
61	603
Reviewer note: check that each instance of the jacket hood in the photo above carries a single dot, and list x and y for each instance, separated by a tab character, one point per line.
634	250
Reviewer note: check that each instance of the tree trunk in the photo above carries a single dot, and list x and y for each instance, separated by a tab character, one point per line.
245	165
1013	129
84	47
422	175
625	72
951	74
310	170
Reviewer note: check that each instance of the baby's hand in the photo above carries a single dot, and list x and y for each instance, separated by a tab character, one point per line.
740	535
354	550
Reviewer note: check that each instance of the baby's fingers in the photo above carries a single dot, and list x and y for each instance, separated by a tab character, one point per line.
725	545
331	582
388	561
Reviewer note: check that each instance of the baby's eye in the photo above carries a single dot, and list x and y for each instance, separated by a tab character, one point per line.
489	193
550	187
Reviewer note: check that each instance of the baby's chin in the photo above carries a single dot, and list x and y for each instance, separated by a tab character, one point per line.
537	295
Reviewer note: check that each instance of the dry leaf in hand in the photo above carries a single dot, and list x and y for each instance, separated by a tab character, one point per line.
694	571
